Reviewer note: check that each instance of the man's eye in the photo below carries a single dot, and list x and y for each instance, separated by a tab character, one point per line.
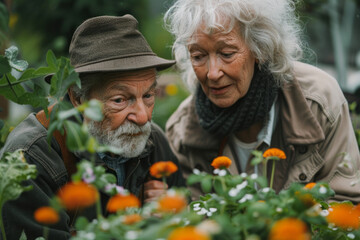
118	100
149	95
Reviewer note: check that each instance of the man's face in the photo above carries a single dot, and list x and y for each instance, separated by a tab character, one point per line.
128	99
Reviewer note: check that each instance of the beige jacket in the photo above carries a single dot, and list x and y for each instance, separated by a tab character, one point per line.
313	129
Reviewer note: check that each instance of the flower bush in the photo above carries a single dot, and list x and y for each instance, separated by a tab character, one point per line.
233	207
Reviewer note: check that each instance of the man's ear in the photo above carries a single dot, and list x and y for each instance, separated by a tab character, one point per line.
76	101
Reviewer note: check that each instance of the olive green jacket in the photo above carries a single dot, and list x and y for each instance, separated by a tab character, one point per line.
313	129
31	136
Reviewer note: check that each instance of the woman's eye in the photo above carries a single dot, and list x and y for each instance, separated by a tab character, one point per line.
227	55
197	57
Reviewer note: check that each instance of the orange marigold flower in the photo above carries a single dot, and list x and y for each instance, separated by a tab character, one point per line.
289	229
163	169
274	152
310	185
344	215
77	195
170	203
131	219
221	162
46	215
121	202
187	233
307	199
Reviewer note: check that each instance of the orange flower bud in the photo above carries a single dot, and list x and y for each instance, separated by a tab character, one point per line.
289	229
46	215
310	185
77	195
174	203
121	202
163	169
274	152
131	219
188	233
221	162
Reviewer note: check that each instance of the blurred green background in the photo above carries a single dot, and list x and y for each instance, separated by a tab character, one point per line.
331	30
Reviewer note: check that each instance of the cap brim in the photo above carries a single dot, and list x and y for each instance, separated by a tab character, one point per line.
124	64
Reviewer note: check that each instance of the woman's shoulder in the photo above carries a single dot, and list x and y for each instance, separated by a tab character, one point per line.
320	89
185	113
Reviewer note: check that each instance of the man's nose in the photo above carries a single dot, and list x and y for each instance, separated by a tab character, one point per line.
139	113
214	69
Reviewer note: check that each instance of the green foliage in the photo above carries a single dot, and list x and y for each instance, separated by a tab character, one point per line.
14	170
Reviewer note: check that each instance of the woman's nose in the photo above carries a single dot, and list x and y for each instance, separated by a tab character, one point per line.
214	69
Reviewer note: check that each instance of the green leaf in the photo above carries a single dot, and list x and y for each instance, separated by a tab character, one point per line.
11	54
219	187
4	65
75	138
192	179
94	110
81	223
206	184
13	171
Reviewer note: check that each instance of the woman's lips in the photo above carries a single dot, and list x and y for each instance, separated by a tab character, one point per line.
219	90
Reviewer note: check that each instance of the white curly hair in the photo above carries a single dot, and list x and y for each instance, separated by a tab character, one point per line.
270	29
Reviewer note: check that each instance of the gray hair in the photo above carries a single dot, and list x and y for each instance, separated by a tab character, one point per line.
269	27
88	81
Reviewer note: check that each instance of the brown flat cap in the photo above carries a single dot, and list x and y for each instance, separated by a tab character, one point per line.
110	43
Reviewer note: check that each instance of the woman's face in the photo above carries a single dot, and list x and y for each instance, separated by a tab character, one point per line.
223	64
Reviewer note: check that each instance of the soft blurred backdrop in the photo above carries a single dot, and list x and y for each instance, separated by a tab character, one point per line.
331	30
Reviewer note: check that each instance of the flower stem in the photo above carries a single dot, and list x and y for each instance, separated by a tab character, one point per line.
272	174
164	182
2	228
46	233
265	167
98	208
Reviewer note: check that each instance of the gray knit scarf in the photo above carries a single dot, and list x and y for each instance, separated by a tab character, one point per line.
252	108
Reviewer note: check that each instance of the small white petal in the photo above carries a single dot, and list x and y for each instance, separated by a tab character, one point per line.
322	190
241	185
351	236
209	214
216	171
266	190
202	211
213	209
233	192
253	176
196	205
196	171
324	213
222	173
279	209
243	175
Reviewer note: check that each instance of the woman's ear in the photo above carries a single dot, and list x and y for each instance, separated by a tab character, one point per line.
75	100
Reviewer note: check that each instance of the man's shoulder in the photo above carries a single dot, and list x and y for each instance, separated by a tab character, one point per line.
25	134
31	137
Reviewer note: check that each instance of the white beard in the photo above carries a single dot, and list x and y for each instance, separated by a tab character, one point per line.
128	137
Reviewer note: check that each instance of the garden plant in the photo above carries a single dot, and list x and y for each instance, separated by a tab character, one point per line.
234	206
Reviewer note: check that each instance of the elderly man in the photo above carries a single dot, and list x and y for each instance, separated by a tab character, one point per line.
117	67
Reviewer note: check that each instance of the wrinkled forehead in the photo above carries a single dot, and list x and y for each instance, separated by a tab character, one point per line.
221	26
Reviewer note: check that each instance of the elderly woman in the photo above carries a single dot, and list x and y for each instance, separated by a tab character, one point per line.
240	59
